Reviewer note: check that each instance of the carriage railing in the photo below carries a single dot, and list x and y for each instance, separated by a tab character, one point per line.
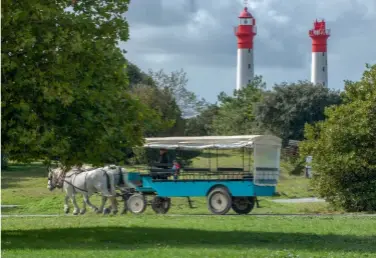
266	176
201	174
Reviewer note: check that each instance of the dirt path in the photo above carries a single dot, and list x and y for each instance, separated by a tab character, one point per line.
299	200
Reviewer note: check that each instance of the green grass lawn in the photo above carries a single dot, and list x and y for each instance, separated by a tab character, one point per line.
149	235
26	185
188	236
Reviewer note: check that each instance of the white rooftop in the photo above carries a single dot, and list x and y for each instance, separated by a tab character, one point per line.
205	142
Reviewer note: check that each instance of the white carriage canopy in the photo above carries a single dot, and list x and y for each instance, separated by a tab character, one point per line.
266	150
212	142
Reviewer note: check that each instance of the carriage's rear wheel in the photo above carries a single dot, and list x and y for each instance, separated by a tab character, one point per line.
161	205
219	201
243	205
136	203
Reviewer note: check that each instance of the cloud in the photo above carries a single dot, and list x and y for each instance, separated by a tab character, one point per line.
194	35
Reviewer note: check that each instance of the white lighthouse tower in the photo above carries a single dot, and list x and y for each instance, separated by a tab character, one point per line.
319	68
245	33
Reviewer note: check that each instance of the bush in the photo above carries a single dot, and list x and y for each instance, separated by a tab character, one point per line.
344	148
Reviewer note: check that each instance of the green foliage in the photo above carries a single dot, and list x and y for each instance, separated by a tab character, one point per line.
136	76
236	114
176	84
64	86
164	118
344	148
202	124
288	107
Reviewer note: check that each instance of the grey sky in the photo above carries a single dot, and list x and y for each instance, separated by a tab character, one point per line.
197	35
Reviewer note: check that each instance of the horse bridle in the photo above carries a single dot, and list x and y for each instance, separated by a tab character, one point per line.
59	181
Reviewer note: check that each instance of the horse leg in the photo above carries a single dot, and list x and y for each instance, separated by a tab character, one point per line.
125	209
113	195
114	204
83	210
101	208
66	205
87	201
76	208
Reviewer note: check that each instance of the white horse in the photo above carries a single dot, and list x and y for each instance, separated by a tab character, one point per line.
85	182
121	181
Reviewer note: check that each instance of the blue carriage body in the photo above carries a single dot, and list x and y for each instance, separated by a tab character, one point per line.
224	187
197	187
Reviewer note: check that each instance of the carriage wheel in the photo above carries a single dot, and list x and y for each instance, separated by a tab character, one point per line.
219	201
161	205
243	205
136	203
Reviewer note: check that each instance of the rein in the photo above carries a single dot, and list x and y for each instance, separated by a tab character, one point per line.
62	179
75	187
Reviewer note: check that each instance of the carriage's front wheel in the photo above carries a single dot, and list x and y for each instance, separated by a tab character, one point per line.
243	205
136	203
161	205
219	201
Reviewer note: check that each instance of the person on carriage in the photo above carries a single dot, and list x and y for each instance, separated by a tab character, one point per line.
176	169
163	159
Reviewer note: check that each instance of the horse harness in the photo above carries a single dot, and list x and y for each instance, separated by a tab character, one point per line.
79	172
75	187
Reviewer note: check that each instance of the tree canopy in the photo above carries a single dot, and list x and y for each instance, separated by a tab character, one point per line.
236	114
289	106
202	124
176	84
343	147
64	87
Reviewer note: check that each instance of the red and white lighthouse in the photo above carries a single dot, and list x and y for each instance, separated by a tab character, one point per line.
245	33
319	68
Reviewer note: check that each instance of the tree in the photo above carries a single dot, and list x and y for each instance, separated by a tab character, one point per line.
343	147
176	84
236	114
288	107
136	76
202	124
165	118
64	87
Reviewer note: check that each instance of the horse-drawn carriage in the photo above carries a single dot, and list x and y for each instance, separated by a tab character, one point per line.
233	187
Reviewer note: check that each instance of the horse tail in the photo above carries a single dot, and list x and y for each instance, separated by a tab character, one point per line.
121	177
109	184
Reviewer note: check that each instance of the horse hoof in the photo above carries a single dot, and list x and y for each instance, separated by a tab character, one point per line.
82	212
66	211
75	213
106	211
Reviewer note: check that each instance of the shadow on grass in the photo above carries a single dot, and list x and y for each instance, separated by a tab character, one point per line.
97	238
17	172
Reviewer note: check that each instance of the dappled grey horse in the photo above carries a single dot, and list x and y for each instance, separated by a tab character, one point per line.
85	182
